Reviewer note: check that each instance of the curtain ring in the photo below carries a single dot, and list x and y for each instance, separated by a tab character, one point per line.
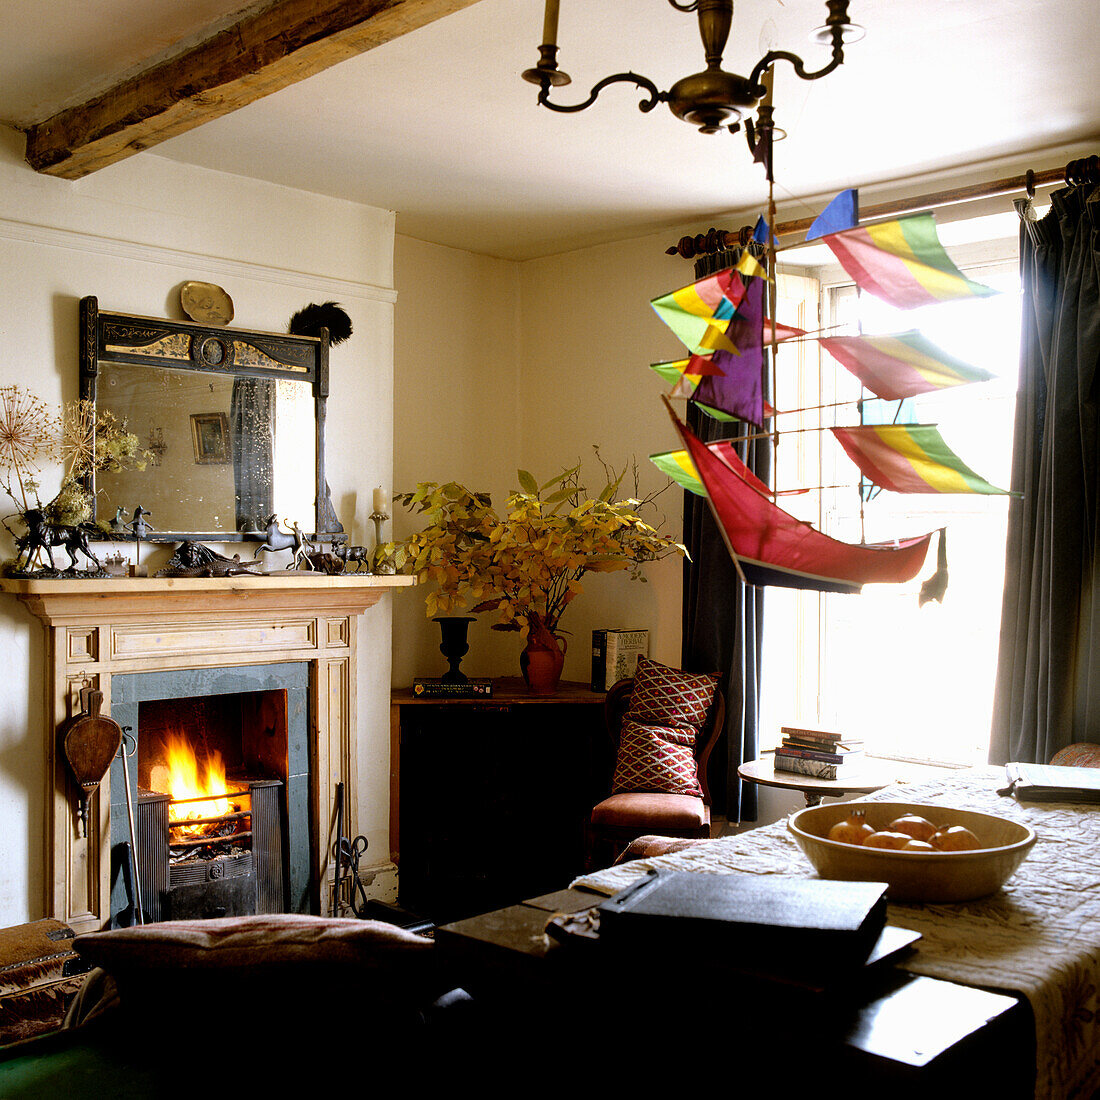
1029	183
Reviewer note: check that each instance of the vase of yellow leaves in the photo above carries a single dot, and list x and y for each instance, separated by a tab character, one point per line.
526	564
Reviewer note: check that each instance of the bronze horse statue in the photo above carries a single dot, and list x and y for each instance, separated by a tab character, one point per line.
44	535
348	554
277	539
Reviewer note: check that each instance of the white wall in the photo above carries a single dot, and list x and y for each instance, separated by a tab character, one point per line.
130	235
501	365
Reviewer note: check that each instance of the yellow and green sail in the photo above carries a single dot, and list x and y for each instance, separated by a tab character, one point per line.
910	458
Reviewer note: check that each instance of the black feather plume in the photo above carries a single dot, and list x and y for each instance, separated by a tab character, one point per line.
310	320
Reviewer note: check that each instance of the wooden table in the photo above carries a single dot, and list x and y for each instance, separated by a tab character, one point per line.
570	1009
763	771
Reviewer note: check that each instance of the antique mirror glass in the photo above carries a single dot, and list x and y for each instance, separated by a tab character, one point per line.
233	423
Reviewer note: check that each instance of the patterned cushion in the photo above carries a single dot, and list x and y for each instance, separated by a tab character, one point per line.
656	758
664	696
1083	754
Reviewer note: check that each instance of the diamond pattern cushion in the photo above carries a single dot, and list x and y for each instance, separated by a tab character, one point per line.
1080	755
664	696
656	758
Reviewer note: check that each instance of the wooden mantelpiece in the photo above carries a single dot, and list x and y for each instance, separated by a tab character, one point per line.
96	629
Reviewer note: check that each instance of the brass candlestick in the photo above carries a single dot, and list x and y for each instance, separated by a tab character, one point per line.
379	565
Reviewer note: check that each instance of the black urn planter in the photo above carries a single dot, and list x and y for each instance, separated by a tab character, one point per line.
454	645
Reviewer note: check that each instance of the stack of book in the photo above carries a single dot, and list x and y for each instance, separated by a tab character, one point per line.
818	753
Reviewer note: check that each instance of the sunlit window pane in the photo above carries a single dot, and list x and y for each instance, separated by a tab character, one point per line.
915	682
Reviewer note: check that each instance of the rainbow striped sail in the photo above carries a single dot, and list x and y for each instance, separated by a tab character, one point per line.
700	313
910	458
683	374
901	365
679	467
902	262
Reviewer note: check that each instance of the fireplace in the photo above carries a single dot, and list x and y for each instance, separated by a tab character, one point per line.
140	640
220	782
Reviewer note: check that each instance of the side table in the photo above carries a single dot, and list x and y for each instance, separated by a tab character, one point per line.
762	770
488	795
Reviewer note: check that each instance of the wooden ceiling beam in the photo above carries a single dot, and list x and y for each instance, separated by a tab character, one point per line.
267	50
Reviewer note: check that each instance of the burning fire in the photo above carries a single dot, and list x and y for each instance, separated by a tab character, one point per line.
183	782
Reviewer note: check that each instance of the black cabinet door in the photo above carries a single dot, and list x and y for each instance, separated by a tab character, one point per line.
493	801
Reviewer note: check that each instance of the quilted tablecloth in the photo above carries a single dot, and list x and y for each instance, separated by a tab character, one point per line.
1038	936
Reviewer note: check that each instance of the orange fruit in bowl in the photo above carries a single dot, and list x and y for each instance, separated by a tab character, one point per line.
885	838
853	829
918	846
955	838
919	828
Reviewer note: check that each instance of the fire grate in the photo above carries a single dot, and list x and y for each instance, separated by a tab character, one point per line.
236	874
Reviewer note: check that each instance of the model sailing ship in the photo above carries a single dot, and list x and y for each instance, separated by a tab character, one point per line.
721	321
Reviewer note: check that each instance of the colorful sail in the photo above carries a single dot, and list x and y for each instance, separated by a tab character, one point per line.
902	262
772	547
683	375
700	313
737	390
842	213
901	365
910	458
679	467
780	332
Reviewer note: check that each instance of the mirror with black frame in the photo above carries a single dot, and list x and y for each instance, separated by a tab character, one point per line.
232	423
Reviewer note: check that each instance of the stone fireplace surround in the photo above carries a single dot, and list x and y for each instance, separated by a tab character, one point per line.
97	629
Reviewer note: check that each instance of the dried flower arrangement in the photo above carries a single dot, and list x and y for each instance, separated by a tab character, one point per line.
82	439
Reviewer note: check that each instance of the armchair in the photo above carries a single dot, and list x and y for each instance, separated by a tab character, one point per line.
637	805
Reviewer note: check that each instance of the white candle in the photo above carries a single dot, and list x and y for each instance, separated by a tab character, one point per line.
550	24
382	501
766	79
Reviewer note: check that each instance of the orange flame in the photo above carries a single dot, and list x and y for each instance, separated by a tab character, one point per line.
184	782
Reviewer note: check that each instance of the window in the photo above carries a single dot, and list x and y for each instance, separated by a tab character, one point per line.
915	682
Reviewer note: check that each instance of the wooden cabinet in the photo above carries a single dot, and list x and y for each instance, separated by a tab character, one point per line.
489	796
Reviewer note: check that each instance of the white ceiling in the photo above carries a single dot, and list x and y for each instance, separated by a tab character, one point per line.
438	125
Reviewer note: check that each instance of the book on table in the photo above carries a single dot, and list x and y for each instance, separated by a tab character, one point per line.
792	929
817	769
1052	782
840	756
431	687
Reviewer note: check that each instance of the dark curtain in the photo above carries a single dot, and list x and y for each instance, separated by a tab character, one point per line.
252	416
1048	673
723	618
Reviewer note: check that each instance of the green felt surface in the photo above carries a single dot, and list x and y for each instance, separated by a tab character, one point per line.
77	1065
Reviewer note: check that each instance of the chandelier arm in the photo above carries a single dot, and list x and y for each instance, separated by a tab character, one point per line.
692	5
799	65
618	78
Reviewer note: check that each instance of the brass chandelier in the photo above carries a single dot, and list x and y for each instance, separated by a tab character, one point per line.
712	99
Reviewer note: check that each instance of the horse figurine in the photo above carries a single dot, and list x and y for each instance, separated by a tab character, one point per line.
278	539
44	535
348	554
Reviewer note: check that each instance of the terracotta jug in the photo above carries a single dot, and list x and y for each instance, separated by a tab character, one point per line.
542	661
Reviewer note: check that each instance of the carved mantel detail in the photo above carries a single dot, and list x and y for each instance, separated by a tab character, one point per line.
98	629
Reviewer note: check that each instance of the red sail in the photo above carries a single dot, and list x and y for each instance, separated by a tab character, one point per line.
772	547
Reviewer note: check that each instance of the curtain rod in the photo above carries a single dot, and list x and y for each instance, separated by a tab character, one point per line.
1077	173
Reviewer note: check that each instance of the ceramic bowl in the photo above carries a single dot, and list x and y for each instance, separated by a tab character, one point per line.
915	876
